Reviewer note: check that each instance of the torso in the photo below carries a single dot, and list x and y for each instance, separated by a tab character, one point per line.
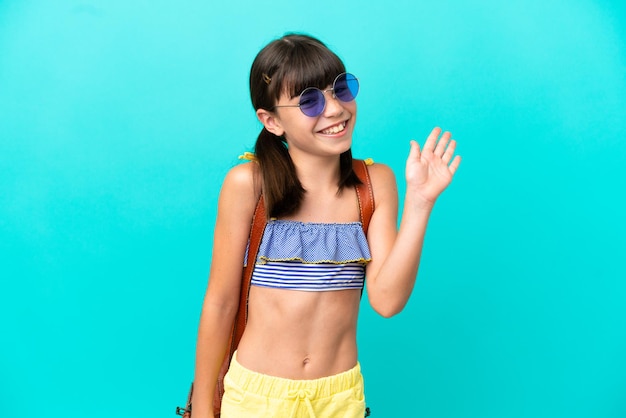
299	334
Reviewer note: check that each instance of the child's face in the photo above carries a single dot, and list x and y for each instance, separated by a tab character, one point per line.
328	134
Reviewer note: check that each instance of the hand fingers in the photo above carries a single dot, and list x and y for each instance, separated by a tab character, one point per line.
447	156
431	141
455	164
442	143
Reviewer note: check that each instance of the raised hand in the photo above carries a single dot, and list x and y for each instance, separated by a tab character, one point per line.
430	170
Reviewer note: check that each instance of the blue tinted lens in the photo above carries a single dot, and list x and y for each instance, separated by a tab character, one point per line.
346	87
312	102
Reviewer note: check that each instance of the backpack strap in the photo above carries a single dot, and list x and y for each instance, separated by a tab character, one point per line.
259	221
364	192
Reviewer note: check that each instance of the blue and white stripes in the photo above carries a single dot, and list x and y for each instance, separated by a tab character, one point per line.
311	256
312	277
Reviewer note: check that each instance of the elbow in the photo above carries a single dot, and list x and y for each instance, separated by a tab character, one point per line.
388	313
224	308
386	309
387	301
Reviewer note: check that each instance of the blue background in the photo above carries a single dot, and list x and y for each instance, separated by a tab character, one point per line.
119	119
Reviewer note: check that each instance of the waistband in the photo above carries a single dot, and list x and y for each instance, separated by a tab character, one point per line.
278	387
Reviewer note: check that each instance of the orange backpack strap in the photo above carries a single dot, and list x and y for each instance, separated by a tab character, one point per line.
364	192
259	221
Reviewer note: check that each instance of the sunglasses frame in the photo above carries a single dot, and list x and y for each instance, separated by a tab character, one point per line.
332	89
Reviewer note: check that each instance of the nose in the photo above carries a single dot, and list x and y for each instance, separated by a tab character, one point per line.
333	105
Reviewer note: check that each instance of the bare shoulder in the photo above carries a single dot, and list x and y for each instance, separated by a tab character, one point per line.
242	187
383	181
244	177
381	172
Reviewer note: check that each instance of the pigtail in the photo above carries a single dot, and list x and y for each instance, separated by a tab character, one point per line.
347	176
282	190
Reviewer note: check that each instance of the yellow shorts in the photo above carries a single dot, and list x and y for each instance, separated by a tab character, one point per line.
251	394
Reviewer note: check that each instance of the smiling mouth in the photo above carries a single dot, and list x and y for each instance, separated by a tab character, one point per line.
335	129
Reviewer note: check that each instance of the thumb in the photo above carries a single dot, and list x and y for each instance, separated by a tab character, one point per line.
414	152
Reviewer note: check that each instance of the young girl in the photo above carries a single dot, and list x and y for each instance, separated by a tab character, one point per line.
298	354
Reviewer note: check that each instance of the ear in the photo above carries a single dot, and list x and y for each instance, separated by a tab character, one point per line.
270	121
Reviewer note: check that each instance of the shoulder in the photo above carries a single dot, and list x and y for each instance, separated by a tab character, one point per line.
242	187
382	177
244	178
381	171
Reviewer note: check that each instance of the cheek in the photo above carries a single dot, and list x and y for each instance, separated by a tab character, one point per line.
351	107
299	126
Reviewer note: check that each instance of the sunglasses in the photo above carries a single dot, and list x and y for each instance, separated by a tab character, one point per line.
312	101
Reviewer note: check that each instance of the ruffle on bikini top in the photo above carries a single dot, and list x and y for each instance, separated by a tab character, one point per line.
336	243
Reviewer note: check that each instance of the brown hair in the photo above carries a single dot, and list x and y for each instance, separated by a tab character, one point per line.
290	64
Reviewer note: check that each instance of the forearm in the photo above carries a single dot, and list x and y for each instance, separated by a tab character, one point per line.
213	334
390	289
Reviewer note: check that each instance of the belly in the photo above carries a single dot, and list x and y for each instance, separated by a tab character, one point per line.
300	335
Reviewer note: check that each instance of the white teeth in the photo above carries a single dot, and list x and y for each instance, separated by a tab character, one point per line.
334	129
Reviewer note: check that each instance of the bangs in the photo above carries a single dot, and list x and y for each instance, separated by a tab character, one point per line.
307	66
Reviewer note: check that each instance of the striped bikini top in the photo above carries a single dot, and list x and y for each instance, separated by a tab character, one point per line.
311	256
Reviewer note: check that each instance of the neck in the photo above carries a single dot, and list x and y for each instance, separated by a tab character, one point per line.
317	172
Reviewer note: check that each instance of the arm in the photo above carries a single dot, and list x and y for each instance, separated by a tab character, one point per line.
235	210
396	253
